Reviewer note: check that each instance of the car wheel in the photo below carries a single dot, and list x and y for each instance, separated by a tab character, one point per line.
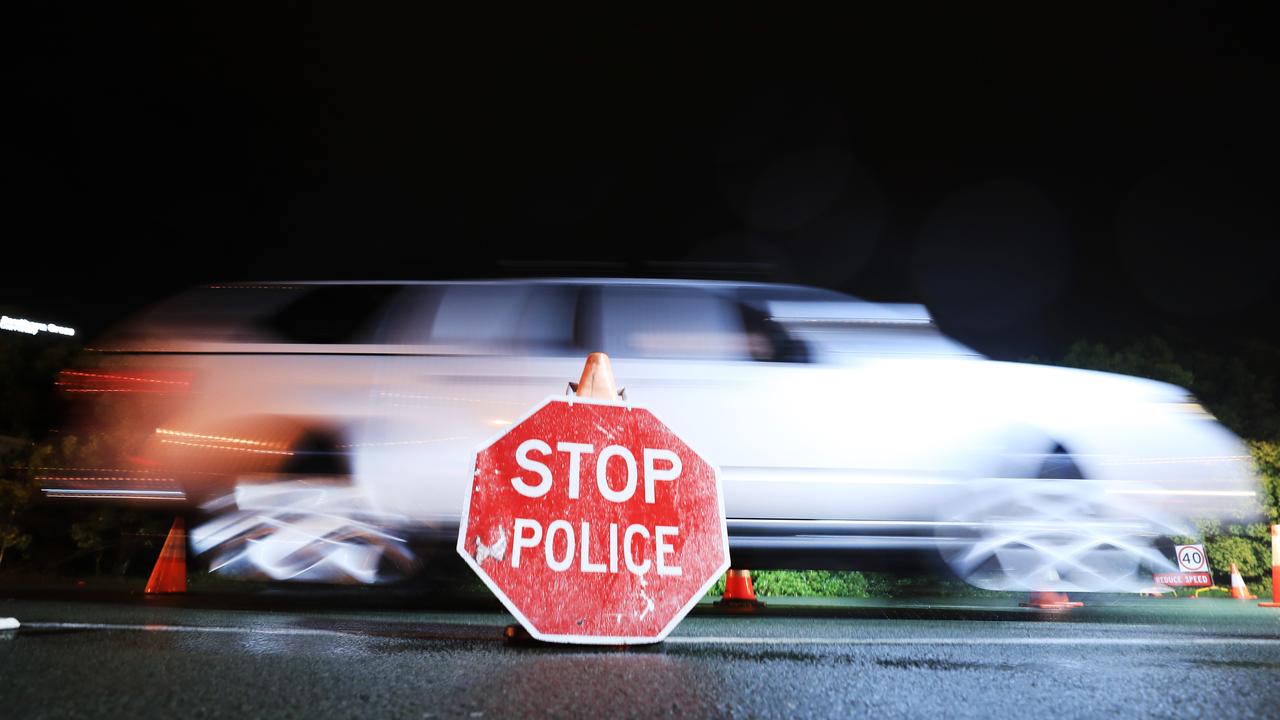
1055	531
298	530
305	522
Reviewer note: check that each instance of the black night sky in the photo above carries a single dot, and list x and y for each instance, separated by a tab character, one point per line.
1035	175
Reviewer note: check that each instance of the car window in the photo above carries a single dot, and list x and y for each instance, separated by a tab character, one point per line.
492	318
832	325
923	340
769	341
671	322
213	313
328	314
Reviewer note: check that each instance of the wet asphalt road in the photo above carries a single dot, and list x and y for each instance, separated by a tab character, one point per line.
1148	658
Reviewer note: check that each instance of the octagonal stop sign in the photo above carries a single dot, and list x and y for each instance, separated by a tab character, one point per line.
594	523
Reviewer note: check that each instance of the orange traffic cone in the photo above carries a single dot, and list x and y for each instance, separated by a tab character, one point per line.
597	379
739	593
170	572
1275	568
1049	600
1238	589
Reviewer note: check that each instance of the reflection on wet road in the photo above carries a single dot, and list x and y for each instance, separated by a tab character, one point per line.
1164	657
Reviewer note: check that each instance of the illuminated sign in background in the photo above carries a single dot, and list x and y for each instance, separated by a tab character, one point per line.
31	328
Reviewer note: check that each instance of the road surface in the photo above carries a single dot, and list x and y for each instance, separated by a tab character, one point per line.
1150	658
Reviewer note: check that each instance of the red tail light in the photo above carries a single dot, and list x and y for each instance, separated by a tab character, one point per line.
165	382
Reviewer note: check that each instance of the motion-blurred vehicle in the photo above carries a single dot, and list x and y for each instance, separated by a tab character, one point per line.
324	431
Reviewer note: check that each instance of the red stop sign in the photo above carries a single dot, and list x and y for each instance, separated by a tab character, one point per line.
594	523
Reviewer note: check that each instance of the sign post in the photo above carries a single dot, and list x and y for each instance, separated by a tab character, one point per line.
592	521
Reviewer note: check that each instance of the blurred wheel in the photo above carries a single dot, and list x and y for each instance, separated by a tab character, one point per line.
303	531
1056	531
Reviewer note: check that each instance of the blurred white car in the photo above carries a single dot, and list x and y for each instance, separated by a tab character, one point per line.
326	427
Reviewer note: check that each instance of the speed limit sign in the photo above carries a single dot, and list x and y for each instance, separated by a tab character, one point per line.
1191	558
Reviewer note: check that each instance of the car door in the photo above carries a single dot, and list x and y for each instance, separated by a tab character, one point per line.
793	438
462	362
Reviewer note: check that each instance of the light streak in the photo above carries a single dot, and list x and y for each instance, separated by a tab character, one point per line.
216	438
106	376
406	442
102	478
1196	493
224	447
116	494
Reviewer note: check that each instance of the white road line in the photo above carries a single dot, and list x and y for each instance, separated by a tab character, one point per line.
1102	641
187	628
1170	640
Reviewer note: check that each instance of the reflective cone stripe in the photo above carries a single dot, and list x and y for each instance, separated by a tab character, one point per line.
170	573
1238	589
738	586
1275	568
739	593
